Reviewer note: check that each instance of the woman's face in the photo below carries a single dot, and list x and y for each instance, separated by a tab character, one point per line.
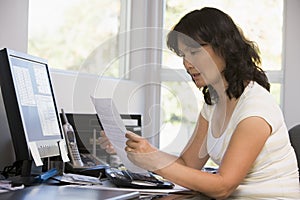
202	63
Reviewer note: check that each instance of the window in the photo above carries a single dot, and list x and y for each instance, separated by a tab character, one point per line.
86	36
78	35
261	21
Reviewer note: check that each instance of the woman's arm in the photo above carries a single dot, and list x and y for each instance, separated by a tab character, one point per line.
143	154
246	143
195	153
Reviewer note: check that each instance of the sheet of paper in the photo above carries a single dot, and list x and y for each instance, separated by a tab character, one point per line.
79	179
114	129
35	154
63	151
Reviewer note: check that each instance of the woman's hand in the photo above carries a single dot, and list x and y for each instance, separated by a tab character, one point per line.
143	154
105	143
138	144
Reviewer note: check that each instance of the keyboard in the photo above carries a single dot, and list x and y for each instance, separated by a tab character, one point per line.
126	178
90	161
140	177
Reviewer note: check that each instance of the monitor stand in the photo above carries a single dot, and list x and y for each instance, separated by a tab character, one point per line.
27	171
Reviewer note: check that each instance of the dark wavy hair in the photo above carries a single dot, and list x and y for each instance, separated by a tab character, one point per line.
241	56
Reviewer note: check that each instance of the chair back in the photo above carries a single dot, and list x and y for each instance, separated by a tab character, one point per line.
294	134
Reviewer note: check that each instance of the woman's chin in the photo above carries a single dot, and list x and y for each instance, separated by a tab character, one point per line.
200	84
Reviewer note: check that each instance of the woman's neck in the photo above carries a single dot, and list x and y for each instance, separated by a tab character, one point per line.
224	109
220	87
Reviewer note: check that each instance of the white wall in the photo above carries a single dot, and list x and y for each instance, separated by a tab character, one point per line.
291	91
73	91
13	21
13	34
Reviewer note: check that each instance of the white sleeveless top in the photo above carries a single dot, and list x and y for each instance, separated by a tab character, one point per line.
274	174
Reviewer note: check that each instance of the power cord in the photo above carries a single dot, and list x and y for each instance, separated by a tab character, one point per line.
12	170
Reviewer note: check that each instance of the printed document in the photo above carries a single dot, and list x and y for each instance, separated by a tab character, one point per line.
114	129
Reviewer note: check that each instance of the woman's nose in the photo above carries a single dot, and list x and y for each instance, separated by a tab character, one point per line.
187	64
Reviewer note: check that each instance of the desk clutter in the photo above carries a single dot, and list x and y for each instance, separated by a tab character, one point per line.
110	182
6	185
76	186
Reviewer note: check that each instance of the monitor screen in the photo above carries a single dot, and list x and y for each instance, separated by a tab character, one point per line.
29	104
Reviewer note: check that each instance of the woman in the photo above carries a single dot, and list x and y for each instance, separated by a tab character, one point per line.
240	126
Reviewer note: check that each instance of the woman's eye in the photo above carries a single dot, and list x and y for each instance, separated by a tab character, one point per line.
194	51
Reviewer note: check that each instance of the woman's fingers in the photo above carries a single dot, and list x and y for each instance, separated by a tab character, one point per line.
105	143
134	141
137	144
128	149
110	149
102	134
132	136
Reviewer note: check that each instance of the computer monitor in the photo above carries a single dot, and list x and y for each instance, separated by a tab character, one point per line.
30	107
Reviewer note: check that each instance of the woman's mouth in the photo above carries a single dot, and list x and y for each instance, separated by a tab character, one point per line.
194	76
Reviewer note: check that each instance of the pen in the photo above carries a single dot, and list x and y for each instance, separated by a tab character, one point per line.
46	175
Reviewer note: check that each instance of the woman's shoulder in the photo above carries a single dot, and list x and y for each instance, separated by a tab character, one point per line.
257	96
257	101
254	89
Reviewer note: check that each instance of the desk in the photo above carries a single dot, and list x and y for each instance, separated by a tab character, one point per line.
52	192
55	192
